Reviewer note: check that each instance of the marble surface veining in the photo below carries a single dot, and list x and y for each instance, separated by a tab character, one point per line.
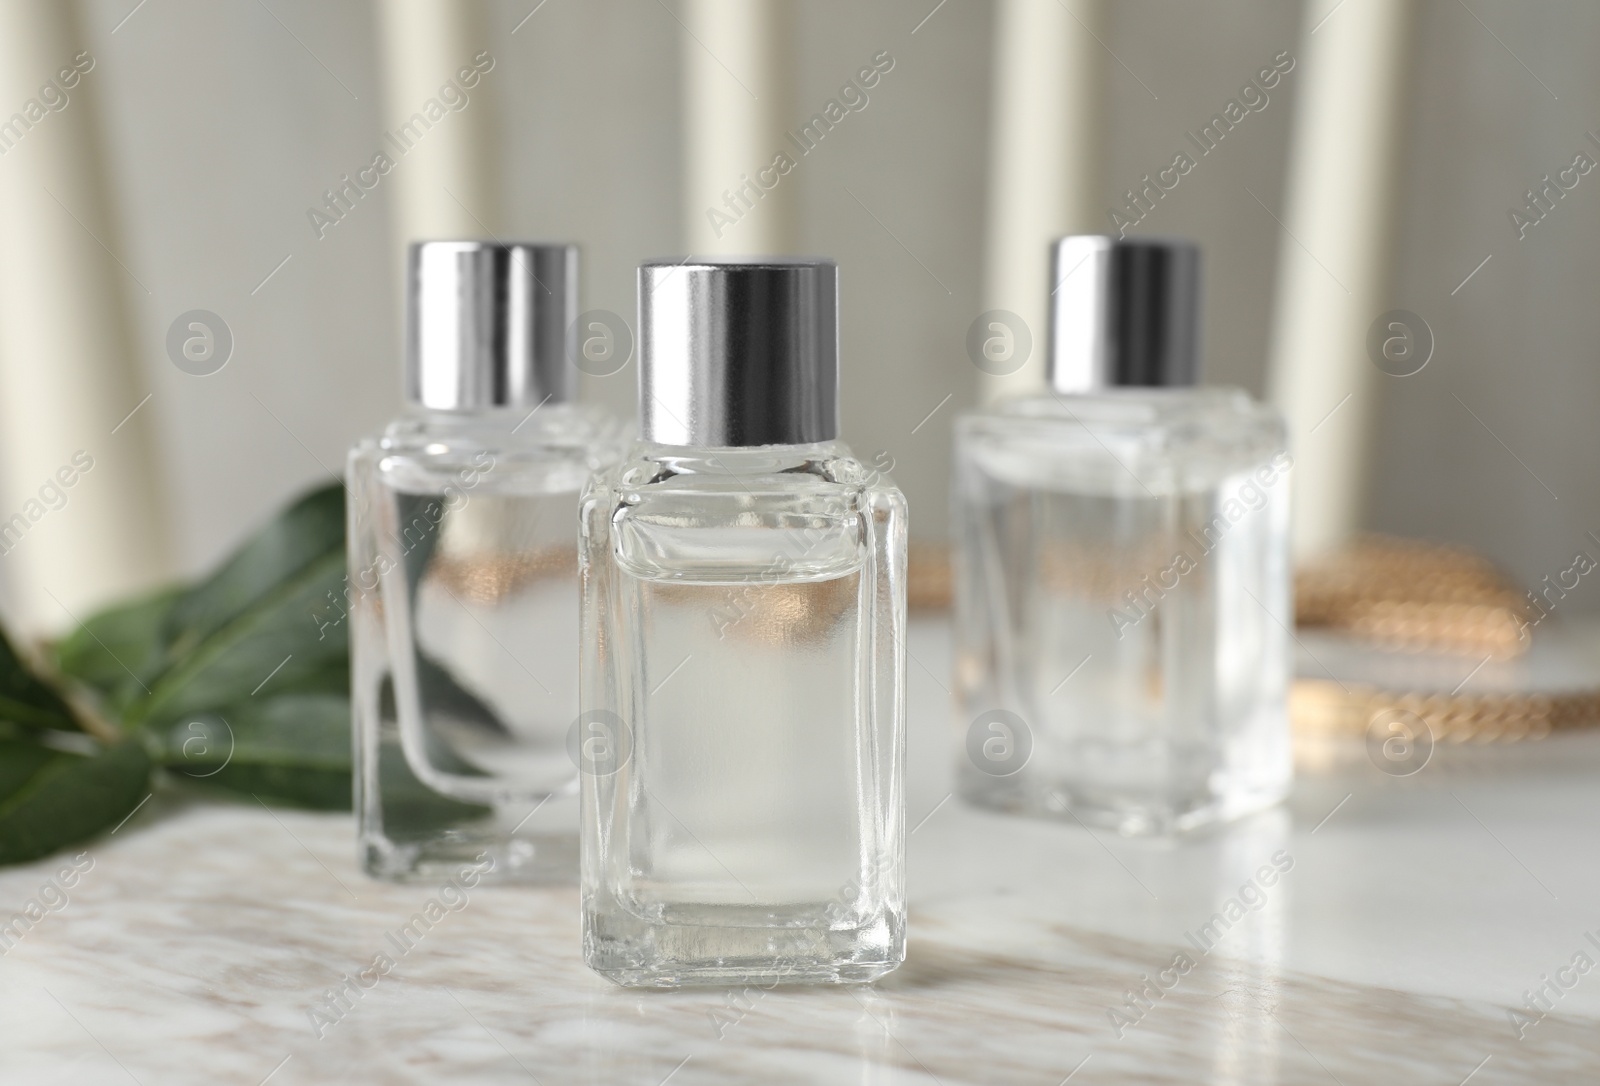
1406	922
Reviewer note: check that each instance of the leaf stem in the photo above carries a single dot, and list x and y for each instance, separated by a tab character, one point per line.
40	661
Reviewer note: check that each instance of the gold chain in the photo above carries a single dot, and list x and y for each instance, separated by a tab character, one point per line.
1321	708
1403	593
1413	595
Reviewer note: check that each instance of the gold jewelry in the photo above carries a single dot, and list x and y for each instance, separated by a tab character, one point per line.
1413	595
1403	593
1321	708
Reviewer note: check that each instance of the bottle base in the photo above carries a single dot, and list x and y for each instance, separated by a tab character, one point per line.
689	947
1128	815
735	974
541	859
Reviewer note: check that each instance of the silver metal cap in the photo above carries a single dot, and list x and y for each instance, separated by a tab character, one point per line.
1124	312
739	353
489	325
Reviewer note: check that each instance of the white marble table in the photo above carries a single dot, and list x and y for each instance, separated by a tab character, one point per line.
1417	912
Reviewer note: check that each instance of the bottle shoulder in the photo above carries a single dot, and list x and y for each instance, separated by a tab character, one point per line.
553	447
553	431
1155	409
1155	437
651	470
722	515
566	424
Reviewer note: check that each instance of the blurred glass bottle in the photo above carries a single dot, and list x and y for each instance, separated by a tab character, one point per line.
464	572
1122	566
743	671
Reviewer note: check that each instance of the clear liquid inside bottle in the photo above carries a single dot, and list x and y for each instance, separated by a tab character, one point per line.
741	631
464	639
1123	598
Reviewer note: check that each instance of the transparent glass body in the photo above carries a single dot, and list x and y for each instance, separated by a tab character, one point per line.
463	592
743	680
1122	607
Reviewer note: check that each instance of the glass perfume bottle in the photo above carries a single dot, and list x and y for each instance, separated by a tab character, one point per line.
464	573
1122	567
740	744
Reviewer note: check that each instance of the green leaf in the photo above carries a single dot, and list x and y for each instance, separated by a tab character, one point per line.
239	683
273	646
307	730
59	799
411	808
442	695
299	538
259	625
317	789
294	748
27	700
119	651
421	515
332	676
19	760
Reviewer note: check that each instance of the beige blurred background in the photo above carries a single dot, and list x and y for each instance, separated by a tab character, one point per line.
222	123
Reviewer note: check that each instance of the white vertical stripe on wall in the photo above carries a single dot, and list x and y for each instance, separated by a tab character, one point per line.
68	382
1335	254
737	90
1045	158
446	172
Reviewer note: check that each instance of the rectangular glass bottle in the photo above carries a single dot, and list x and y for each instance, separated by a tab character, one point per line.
1122	569
463	575
740	744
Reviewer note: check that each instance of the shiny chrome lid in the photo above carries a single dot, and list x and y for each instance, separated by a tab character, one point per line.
490	324
738	352
1123	312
